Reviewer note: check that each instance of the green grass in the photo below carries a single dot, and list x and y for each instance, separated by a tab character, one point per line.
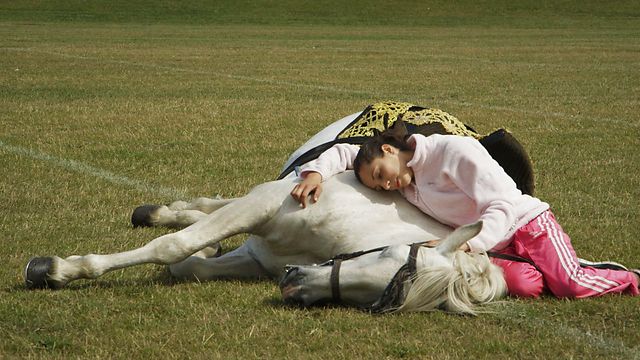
205	99
436	13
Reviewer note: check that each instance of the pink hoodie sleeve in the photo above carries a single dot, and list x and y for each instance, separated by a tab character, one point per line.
334	160
493	192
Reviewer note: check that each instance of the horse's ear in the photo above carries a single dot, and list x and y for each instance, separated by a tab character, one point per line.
458	237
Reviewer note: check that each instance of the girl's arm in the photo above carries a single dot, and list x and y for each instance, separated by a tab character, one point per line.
479	176
335	160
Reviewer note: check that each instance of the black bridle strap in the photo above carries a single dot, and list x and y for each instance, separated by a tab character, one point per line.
336	262
335	282
413	257
393	295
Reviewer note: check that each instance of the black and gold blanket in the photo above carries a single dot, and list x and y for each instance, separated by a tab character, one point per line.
502	146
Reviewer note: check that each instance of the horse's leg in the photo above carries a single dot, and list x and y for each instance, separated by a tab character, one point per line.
237	217
361	280
235	264
178	214
204	204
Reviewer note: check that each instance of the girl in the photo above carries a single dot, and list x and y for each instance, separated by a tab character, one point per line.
456	181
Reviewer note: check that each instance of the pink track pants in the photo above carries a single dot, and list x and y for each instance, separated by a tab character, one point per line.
545	243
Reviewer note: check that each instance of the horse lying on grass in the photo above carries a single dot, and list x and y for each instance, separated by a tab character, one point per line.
348	218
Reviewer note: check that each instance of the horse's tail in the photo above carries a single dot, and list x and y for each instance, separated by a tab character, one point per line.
473	280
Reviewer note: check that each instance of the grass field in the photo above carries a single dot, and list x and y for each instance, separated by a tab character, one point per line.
105	105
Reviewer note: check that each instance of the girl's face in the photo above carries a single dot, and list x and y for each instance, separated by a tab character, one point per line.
389	172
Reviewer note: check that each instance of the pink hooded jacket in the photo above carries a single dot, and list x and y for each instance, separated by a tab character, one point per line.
456	182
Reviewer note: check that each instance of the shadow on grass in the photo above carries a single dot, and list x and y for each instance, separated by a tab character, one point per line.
276	302
162	278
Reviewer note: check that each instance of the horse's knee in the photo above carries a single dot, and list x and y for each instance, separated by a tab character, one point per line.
169	249
523	280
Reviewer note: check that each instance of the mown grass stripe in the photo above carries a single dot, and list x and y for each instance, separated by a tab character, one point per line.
195	71
373	95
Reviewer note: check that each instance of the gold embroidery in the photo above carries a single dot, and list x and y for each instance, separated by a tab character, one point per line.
382	115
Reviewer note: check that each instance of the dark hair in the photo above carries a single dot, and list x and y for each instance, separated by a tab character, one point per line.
371	149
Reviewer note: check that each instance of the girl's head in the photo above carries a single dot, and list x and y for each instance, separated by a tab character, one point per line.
381	163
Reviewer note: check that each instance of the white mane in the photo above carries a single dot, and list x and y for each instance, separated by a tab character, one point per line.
474	281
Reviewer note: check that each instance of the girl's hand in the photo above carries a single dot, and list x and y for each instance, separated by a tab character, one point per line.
433	243
464	247
311	184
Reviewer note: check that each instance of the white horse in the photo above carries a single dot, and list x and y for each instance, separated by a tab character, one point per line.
348	218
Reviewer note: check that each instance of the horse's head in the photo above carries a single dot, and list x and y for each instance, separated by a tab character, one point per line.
398	278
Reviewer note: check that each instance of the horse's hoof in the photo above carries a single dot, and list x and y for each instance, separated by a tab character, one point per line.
141	216
36	274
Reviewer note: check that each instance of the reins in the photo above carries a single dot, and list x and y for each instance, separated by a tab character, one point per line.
515	258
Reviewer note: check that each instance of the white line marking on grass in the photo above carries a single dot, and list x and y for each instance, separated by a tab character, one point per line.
599	341
324	87
611	346
93	171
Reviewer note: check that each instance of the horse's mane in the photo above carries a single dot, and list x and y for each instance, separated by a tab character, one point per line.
472	280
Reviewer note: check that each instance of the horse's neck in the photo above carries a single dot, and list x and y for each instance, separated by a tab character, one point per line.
347	217
378	217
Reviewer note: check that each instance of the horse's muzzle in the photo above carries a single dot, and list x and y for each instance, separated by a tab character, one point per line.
290	286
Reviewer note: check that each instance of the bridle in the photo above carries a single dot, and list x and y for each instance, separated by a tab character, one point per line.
408	270
393	294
